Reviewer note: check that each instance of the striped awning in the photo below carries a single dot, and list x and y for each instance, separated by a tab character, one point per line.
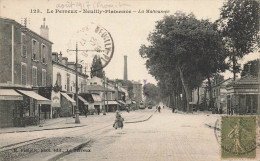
10	94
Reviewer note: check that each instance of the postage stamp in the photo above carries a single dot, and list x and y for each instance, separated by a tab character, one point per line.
239	137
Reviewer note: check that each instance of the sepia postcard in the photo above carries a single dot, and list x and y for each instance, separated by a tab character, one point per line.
125	80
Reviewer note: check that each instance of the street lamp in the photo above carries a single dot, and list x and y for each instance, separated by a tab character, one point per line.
77	121
116	85
104	96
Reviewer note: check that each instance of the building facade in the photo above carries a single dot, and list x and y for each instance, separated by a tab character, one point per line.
137	90
64	78
220	95
26	70
243	96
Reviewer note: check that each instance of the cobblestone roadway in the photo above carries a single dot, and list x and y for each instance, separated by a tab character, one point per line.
165	136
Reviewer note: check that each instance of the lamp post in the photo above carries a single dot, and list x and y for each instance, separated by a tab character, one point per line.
104	109
77	121
116	84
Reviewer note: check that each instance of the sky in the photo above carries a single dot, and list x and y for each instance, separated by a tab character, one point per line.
128	30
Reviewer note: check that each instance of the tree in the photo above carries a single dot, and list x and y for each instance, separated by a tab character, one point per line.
186	49
96	67
251	67
239	24
129	85
151	93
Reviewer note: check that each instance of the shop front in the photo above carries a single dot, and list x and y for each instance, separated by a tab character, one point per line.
33	109
243	96
9	102
22	108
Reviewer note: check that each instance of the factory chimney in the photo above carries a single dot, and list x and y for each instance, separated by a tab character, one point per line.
125	67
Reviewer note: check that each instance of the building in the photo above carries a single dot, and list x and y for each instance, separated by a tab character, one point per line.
25	74
111	92
199	96
243	96
64	82
137	90
219	92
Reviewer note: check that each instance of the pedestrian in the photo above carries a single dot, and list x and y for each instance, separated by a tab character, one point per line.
159	108
119	121
173	109
163	107
98	110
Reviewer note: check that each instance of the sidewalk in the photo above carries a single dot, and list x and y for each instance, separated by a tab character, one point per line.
69	122
57	123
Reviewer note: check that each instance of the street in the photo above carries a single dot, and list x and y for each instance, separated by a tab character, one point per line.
165	136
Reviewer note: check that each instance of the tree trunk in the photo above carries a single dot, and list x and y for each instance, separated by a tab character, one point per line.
198	101
173	100
186	90
210	93
234	67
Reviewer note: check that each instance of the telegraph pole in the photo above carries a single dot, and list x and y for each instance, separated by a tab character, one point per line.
77	121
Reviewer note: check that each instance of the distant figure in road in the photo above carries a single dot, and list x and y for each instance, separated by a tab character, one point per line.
159	109
98	110
163	107
173	109
119	121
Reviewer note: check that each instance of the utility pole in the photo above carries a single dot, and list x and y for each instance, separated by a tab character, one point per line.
104	92
77	121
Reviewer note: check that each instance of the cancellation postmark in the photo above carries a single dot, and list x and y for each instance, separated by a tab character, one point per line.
93	40
237	136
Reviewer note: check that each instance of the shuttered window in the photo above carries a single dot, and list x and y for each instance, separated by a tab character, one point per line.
35	49
58	79
43	77
23	45
44	53
34	76
23	74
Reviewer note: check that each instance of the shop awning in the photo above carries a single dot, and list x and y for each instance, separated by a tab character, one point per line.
10	94
111	102
96	98
83	100
69	98
121	102
129	102
40	99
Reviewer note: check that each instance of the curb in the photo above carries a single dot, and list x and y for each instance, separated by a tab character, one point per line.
15	145
141	120
42	129
78	147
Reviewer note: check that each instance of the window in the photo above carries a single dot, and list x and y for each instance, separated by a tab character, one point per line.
35	49
23	74
34	76
68	82
43	77
59	79
44	53
23	45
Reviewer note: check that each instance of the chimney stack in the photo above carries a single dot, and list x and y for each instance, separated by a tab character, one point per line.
60	57
125	68
44	30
